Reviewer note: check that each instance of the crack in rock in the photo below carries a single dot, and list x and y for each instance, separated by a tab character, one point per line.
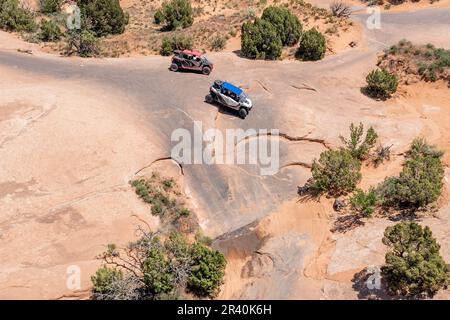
78	294
287	137
297	163
162	159
262	86
237	232
303	87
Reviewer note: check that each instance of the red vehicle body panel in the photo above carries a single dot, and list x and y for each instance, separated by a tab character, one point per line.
194	53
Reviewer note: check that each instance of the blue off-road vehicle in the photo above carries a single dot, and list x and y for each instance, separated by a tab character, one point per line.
230	96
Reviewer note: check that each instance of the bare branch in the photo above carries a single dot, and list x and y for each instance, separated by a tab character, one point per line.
340	9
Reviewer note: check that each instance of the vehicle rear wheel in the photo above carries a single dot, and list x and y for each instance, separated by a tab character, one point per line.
243	113
209	98
206	70
173	67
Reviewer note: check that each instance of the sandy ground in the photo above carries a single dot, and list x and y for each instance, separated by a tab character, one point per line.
73	132
11	41
143	37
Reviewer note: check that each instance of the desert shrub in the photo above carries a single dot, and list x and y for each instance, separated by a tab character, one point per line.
88	45
14	16
260	40
49	31
176	42
166	201
157	272
202	239
432	63
250	14
82	42
218	43
103	17
312	46
380	154
159	16
340	9
176	14
50	6
420	147
141	189
153	269
397	2
413	266
286	24
168	183
104	279
441	61
207	271
182	212
179	251
336	172
358	147
419	183
364	203
381	83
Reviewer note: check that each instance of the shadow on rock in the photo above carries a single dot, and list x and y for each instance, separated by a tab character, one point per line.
224	110
373	95
307	192
369	285
347	223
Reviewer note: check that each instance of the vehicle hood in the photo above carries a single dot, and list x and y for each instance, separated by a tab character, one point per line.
247	102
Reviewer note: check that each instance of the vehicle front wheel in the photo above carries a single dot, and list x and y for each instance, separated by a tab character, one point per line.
173	67
243	113
206	70
209	98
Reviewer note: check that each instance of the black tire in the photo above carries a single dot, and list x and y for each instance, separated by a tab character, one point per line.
206	70
209	98
174	67
243	113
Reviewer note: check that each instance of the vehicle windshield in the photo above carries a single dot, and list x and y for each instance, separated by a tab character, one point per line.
205	58
243	96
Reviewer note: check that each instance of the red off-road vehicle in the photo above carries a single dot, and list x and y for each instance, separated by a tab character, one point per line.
191	60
